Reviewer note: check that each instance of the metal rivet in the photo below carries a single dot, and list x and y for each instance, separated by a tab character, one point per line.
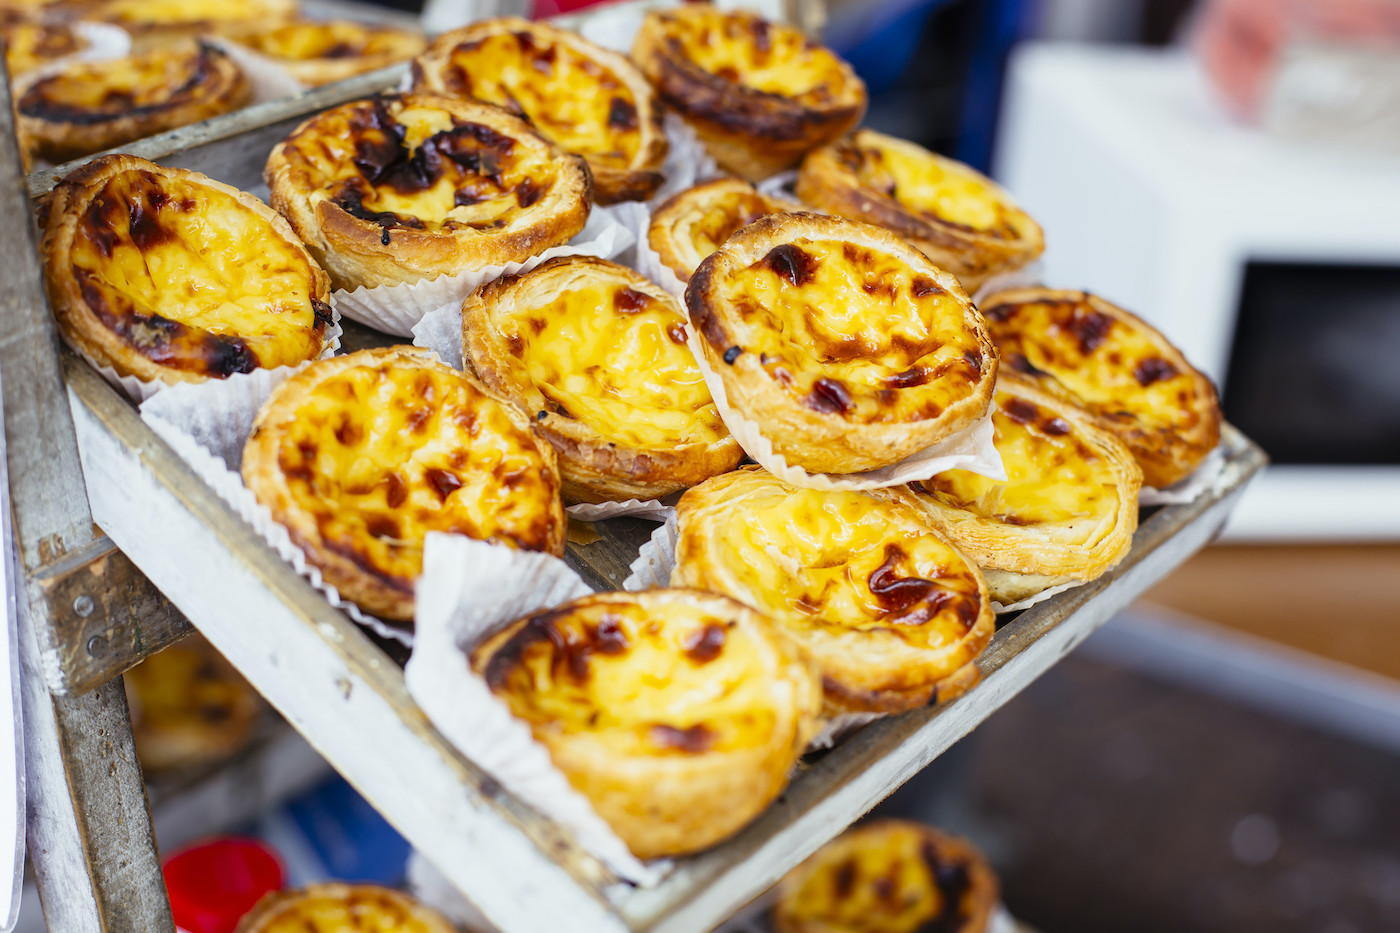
96	645
83	606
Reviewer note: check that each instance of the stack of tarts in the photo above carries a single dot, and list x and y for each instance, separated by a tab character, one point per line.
836	346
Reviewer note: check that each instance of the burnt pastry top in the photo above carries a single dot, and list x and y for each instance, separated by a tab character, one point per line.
886	606
166	274
411	184
1117	367
322	51
362	455
889	876
694	223
584	98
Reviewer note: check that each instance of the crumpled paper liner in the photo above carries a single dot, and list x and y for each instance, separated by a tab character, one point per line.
270	80
139	390
636	217
207	424
397	309
452	617
970	449
687	163
1204	479
782	185
1040	597
651	509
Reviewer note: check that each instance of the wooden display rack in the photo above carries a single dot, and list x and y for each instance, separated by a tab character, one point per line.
97	598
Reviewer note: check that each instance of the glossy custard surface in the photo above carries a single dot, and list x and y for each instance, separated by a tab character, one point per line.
177	12
744	49
381	455
840	561
401	165
1111	366
194	280
856	332
1053	476
91	92
29	45
572	99
335	39
614	358
360	911
664	678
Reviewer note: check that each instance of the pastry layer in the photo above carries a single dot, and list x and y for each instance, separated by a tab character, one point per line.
400	188
360	456
958	217
584	98
848	347
165	274
342	908
694	223
598	356
677	713
885	605
1117	367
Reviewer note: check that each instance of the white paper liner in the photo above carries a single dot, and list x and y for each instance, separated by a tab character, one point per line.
1040	597
687	163
970	449
207	424
838	727
782	185
450	619
651	509
1206	477
139	390
397	309
270	80
636	217
656	559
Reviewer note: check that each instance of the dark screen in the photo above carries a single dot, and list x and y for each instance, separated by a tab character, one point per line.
1314	372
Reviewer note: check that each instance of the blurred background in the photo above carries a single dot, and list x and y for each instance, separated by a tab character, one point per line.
1225	757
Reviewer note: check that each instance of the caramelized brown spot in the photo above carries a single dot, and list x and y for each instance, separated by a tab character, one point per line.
895	593
845	879
974	359
915	376
704	645
693	740
1056	427
630	301
677	333
1090	328
922	287
1020	411
349	432
791	264
1018	362
1153	369
443	482
528	192
829	396
383	526
622	115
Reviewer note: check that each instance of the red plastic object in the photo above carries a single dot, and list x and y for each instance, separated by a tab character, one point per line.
213	884
547	8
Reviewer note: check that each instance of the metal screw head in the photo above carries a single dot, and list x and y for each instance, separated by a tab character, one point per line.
83	606
96	645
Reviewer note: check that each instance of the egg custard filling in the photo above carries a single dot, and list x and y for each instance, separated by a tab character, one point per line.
332	50
333	907
363	455
696	222
846	329
677	713
187	276
742	48
112	89
888	876
1117	368
886	606
194	12
30	45
573	99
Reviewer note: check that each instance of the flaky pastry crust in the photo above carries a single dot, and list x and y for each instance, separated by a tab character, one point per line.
694	223
597	355
317	52
165	274
889	876
91	106
342	908
1116	366
360	456
958	217
677	713
1067	511
584	98
758	93
848	348
891	612
407	187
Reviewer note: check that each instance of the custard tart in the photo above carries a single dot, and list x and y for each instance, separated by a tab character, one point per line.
324	51
29	46
1117	367
1067	510
891	612
360	456
597	355
332	907
846	346
96	105
165	274
583	98
759	94
407	187
153	22
694	223
957	216
677	713
889	876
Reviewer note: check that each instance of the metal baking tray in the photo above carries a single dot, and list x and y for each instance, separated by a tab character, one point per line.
345	693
